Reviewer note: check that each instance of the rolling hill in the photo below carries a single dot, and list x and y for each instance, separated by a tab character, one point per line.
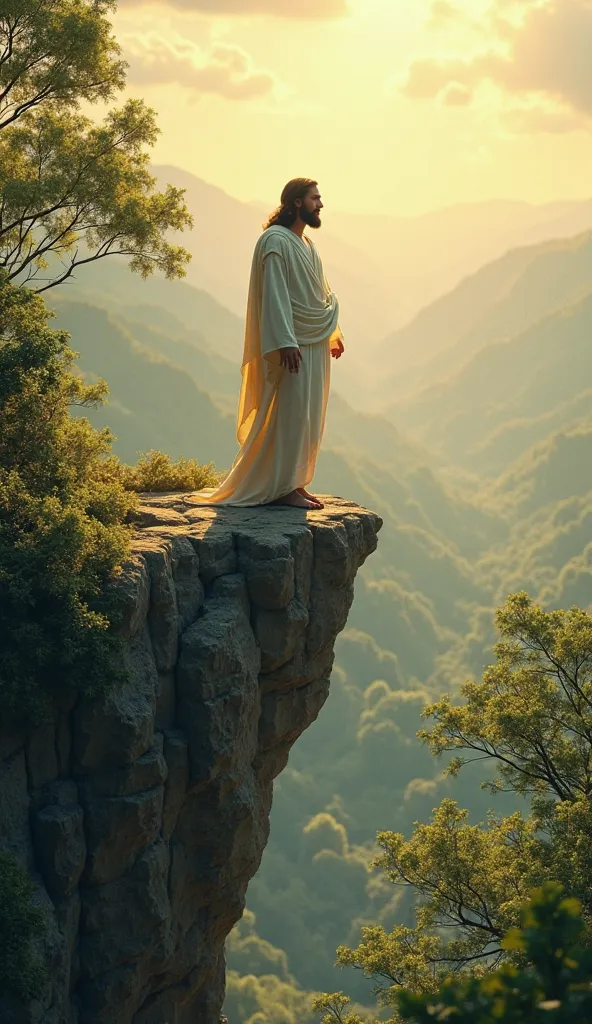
153	403
430	254
541	376
163	304
493	304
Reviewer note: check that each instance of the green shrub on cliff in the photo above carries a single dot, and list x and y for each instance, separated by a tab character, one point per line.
20	972
65	504
156	471
62	525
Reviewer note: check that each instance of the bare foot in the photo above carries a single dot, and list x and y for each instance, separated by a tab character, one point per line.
310	497
295	499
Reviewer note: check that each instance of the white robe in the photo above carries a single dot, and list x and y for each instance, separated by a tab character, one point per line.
281	415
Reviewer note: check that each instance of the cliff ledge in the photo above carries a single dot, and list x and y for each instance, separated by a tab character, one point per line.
142	816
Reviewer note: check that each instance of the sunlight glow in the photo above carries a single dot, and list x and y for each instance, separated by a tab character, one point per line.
334	98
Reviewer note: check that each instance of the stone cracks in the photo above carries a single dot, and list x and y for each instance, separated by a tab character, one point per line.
143	816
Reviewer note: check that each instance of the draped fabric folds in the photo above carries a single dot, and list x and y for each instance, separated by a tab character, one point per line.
281	415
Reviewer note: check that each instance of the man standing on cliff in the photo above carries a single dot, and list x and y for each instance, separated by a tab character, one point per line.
292	330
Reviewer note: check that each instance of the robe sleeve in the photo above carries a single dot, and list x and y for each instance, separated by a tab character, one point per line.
277	325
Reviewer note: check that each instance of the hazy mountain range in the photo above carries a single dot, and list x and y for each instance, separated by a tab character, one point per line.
492	304
514	363
405	261
473	441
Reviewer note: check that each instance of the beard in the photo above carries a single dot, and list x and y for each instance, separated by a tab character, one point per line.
310	217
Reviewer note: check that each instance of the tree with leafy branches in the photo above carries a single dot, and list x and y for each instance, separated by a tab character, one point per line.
531	717
73	190
553	986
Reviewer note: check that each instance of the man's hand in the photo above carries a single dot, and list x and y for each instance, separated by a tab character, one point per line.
337	351
291	358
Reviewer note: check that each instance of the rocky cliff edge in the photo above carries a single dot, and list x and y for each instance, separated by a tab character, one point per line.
143	815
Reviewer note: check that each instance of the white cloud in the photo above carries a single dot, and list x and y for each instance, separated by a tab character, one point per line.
455	95
223	69
444	13
535	119
296	9
539	52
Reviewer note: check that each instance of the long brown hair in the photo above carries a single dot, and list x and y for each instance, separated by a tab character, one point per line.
286	213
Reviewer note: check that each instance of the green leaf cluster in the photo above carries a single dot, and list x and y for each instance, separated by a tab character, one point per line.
21	973
554	986
66	507
157	472
531	716
532	712
266	1000
73	190
63	535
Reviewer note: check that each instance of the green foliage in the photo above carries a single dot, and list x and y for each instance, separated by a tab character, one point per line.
532	713
336	1008
20	921
532	716
324	833
156	471
267	999
71	188
62	526
61	51
555	986
470	878
253	955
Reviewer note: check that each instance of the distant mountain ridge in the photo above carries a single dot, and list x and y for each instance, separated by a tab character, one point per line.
495	302
108	282
153	404
546	367
378	266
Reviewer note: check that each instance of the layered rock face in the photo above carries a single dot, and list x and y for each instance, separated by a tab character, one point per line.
142	816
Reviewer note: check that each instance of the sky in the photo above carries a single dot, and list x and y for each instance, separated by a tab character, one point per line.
395	106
